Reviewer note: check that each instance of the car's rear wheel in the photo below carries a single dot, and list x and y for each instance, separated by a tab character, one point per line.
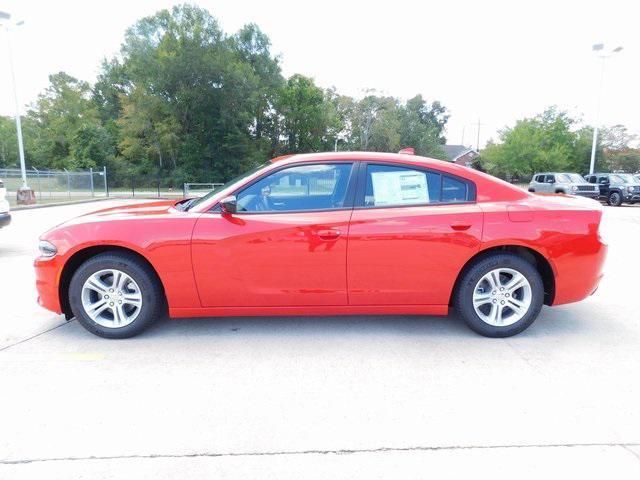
615	199
500	295
115	295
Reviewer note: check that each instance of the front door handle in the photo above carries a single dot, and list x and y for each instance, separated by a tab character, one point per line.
329	234
460	226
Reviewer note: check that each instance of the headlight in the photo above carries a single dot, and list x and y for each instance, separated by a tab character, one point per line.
47	249
574	188
630	189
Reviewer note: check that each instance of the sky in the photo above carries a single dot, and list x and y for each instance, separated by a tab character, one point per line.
490	61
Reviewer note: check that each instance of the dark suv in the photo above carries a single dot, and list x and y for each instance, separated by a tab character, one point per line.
616	188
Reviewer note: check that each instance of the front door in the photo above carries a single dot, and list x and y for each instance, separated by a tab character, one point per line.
286	245
411	232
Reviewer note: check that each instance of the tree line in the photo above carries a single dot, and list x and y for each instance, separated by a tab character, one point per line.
555	141
187	100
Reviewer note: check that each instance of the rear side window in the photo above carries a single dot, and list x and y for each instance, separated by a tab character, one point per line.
540	178
453	190
388	185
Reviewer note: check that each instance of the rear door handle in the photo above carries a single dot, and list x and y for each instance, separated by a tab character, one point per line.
460	226
329	234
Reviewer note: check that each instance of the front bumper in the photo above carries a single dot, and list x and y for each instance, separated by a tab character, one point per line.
586	194
635	197
48	271
5	219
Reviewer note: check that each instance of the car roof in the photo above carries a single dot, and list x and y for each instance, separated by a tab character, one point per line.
404	158
488	188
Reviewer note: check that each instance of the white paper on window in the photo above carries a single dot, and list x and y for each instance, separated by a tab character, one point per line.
399	187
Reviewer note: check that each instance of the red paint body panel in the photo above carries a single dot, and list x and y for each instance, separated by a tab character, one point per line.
402	260
418	253
271	259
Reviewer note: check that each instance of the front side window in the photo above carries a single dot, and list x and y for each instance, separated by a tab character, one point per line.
388	185
298	188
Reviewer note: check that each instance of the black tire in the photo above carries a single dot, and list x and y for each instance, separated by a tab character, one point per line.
532	190
615	199
463	300
153	300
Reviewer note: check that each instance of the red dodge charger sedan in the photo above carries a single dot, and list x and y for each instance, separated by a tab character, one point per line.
329	234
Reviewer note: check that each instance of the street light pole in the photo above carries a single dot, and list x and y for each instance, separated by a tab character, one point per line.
6	16
594	143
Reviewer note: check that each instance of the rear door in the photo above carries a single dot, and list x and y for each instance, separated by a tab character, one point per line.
411	232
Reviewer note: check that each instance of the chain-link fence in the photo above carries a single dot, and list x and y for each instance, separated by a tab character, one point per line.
52	186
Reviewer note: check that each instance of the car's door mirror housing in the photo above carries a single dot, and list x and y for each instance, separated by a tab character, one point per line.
229	204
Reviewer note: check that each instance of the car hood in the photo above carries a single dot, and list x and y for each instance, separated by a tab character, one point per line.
125	212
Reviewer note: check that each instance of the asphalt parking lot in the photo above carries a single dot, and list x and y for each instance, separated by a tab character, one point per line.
320	397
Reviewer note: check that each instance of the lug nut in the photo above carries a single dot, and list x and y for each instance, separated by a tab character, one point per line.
106	296
501	289
495	301
111	290
506	294
111	304
502	302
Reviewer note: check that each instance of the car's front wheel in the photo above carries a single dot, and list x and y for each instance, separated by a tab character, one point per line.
115	295
500	295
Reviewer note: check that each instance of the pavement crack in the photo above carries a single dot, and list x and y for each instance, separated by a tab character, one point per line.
631	451
24	340
626	446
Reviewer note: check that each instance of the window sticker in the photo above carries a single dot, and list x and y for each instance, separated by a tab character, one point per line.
399	187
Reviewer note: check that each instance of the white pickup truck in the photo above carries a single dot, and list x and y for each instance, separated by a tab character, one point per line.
5	216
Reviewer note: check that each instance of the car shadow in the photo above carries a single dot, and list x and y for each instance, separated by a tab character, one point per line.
554	322
557	321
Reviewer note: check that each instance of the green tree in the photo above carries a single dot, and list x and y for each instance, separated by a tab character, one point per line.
305	114
8	142
545	142
63	130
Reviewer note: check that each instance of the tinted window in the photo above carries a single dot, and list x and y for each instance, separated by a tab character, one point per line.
540	178
388	185
453	190
551	179
303	187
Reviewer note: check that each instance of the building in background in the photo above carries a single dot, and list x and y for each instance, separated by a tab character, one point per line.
460	154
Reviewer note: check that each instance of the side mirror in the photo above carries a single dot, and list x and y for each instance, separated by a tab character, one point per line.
550	181
229	204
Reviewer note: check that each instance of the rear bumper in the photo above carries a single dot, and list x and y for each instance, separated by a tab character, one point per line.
47	282
5	219
578	275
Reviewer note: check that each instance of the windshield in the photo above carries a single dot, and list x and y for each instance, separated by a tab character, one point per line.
622	178
570	178
240	177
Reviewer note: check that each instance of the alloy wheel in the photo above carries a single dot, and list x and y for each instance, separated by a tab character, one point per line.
502	297
111	298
